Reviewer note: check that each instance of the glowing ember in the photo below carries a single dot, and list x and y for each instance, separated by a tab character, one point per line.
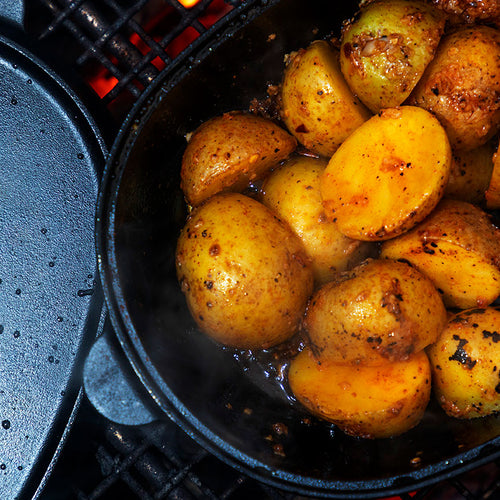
188	3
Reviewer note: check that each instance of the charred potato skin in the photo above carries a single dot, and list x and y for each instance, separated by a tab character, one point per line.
492	193
461	86
470	11
465	364
386	48
458	248
317	106
292	192
244	273
228	152
376	314
364	401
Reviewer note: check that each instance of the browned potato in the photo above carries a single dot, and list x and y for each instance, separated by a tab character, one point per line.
465	364
458	248
388	174
383	310
470	11
245	275
471	174
493	192
292	192
386	49
318	107
230	151
462	84
364	401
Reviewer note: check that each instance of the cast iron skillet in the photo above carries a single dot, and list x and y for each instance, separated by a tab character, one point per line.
51	156
221	398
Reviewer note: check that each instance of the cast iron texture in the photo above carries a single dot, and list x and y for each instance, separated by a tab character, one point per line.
51	161
232	411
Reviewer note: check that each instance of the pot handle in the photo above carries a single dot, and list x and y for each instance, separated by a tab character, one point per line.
12	11
112	387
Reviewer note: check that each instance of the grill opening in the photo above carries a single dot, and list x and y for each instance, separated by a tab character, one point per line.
111	50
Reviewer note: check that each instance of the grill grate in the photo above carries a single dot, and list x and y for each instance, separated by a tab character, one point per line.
115	47
122	45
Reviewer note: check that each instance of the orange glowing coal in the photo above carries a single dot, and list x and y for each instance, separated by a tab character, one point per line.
188	3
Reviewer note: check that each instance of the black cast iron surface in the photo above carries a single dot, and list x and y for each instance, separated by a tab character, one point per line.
50	162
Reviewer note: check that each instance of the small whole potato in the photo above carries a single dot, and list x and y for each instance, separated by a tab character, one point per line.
461	86
228	152
364	401
465	364
458	249
292	192
318	107
245	274
382	310
386	49
387	175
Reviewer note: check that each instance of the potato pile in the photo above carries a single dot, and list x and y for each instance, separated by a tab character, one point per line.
358	221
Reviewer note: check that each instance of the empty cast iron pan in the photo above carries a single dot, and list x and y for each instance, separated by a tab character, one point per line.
51	158
230	401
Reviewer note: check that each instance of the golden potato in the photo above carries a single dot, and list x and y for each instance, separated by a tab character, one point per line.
387	175
470	11
462	84
292	192
386	49
230	151
471	174
458	248
383	310
245	275
465	364
365	401
492	194
318	107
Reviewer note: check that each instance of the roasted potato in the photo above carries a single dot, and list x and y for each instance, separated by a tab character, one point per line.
470	11
386	49
462	84
465	364
230	151
470	174
364	401
458	248
245	274
492	194
382	310
388	174
318	107
292	192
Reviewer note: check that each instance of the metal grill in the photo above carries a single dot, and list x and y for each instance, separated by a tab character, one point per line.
119	42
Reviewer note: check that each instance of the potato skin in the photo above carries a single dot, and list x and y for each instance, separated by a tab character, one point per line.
461	86
465	364
458	248
470	11
244	273
364	401
470	174
386	49
382	311
229	151
492	194
388	174
318	107
292	192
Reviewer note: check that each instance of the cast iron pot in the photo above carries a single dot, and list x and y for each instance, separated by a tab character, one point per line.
51	158
225	399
